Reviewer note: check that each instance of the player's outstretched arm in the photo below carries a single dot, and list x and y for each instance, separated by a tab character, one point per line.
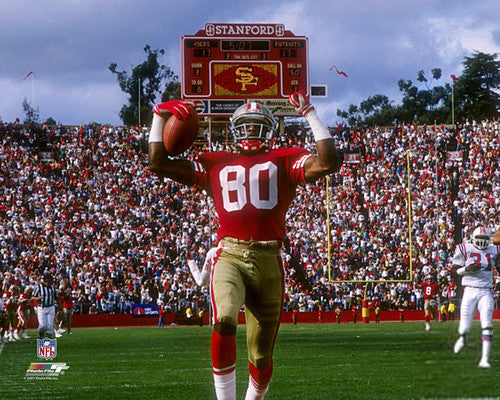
179	170
195	272
328	159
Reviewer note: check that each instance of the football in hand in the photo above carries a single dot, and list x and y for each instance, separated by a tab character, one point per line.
473	267
180	134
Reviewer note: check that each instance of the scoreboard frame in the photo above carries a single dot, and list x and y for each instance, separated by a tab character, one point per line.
240	62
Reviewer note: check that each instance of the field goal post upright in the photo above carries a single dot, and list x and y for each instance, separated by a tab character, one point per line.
364	303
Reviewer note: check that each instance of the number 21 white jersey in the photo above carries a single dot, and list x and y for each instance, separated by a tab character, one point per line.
467	253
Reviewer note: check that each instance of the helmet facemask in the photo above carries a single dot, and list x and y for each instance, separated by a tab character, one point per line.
481	238
251	125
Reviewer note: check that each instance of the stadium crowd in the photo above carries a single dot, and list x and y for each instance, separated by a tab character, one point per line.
80	202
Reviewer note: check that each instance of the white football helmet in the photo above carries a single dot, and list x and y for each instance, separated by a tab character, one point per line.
481	237
251	124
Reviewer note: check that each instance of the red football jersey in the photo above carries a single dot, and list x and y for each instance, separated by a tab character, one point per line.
251	192
24	305
66	300
431	290
11	301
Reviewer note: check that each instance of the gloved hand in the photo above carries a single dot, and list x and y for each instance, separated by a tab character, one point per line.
180	109
301	102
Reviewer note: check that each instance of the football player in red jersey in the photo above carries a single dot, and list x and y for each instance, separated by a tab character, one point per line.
66	313
12	302
23	312
431	290
252	188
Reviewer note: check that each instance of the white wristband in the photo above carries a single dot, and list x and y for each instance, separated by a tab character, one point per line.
318	129
156	132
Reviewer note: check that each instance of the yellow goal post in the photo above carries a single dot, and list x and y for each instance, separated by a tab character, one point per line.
410	240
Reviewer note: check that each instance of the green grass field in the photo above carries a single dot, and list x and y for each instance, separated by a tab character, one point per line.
330	361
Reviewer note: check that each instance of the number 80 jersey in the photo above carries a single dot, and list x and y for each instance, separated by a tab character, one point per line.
251	192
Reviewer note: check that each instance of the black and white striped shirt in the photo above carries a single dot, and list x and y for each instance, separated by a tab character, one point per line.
48	294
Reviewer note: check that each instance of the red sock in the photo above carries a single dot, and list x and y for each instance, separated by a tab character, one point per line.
223	353
260	377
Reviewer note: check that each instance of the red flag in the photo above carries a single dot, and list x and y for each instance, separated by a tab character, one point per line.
454	78
26	77
339	72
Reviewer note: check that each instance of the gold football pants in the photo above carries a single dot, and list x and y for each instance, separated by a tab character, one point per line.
250	274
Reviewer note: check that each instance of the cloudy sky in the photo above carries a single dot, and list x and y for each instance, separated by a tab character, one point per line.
70	44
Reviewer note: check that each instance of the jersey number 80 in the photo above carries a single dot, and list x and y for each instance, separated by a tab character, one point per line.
261	179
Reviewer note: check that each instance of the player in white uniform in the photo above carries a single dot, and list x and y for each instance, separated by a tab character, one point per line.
475	262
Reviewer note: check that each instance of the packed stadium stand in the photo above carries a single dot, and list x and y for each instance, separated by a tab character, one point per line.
81	203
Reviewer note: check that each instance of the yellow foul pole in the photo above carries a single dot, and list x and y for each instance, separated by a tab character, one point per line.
328	228
410	251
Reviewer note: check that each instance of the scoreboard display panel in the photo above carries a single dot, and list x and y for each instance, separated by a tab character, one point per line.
230	62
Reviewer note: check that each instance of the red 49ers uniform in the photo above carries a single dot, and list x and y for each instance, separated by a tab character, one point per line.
252	194
12	303
431	291
66	300
252	190
23	310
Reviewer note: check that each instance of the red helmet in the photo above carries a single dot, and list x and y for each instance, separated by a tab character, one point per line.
252	114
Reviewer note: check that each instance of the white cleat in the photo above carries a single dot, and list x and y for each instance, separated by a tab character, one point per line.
459	345
16	335
58	335
427	327
25	336
61	331
484	364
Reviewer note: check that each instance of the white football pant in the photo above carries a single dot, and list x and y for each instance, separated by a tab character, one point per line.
46	317
472	299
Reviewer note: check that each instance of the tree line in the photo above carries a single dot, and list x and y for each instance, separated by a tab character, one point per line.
472	94
475	93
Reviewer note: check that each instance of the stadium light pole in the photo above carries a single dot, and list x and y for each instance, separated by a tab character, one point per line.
139	101
452	104
32	88
436	182
328	239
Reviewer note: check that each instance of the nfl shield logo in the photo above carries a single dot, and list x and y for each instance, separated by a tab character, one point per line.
46	348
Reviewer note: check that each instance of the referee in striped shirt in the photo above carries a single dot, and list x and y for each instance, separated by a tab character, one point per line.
45	295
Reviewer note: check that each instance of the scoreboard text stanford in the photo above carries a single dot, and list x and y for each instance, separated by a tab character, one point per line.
243	61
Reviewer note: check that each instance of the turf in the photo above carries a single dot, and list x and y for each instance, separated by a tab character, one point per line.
329	361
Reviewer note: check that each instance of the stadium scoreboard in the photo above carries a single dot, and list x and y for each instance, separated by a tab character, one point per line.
225	65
